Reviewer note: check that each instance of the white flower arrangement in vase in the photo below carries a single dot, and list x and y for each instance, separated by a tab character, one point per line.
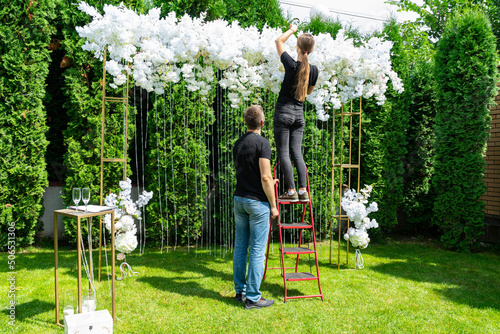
357	210
125	212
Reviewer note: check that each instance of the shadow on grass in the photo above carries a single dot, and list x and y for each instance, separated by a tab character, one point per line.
469	279
182	263
27	312
30	309
185	286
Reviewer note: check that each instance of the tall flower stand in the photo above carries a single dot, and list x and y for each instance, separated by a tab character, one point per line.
347	164
79	216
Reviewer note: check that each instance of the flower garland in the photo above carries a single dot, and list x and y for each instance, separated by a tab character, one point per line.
354	204
125	212
161	50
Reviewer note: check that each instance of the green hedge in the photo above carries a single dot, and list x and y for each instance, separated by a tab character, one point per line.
246	12
24	39
466	74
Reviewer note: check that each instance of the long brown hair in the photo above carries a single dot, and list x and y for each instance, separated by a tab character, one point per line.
305	43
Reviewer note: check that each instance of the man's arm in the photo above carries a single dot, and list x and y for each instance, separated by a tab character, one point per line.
268	184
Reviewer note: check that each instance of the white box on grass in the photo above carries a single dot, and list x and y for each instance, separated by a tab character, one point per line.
98	322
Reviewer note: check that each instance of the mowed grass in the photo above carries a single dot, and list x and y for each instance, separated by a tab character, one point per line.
405	287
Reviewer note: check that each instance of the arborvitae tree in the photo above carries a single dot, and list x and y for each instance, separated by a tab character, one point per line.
419	194
466	74
24	58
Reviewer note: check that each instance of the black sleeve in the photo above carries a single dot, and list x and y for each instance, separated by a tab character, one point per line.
287	61
313	75
265	149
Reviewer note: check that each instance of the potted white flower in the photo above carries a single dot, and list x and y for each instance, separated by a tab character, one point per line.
357	210
125	229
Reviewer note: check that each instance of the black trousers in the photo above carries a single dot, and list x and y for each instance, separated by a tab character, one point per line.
288	132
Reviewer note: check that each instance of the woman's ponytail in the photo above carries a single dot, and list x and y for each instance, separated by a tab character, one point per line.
305	43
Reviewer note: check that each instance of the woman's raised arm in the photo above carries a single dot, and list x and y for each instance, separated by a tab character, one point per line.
280	41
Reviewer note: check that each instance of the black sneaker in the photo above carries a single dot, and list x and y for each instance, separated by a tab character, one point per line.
289	198
240	297
260	304
304	197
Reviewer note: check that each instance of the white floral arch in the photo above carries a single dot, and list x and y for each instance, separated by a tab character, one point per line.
162	50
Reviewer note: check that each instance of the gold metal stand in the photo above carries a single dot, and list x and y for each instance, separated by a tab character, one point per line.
343	165
80	215
123	160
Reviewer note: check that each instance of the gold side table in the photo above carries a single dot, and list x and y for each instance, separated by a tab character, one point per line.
79	215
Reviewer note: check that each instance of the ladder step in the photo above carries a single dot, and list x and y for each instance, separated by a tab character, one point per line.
114	99
309	296
294	202
297	250
300	277
295	225
114	160
346	165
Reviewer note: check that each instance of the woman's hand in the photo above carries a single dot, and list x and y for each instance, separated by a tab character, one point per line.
293	28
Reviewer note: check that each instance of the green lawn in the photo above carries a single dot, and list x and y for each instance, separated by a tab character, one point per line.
405	287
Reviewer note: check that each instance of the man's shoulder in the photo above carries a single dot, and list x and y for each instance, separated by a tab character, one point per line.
261	139
253	140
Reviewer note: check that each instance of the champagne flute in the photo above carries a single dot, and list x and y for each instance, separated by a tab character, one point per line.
85	196
77	195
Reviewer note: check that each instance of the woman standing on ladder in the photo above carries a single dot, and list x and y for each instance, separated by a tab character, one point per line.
300	79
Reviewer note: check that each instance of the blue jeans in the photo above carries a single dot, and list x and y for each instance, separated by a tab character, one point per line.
288	131
252	229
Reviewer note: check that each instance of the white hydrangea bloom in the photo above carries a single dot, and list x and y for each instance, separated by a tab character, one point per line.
127	224
125	242
358	238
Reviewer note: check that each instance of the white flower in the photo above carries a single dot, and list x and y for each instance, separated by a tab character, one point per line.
111	200
354	205
120	257
107	222
144	198
130	208
161	50
127	224
125	211
125	242
126	185
358	238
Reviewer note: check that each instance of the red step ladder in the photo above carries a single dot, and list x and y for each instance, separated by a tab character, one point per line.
295	276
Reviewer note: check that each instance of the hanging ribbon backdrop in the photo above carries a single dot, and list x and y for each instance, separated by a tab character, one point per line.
198	77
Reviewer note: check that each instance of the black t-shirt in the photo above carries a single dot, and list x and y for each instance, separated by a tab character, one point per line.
287	92
246	153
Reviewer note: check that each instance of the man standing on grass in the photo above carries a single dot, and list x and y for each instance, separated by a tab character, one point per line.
254	203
